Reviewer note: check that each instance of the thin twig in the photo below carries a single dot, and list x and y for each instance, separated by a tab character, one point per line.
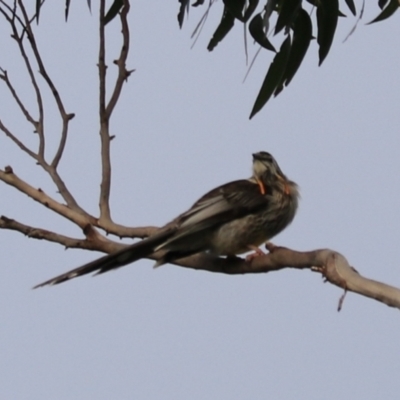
17	141
43	234
62	188
40	157
25	112
57	98
92	242
106	110
200	24
19	39
123	73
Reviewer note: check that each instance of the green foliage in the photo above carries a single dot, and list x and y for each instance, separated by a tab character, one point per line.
327	18
387	11
288	17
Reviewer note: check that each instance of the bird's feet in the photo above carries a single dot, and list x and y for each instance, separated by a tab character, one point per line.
257	253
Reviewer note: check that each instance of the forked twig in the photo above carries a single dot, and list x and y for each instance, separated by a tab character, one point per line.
106	110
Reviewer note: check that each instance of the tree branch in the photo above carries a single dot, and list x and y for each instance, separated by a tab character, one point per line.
104	201
25	112
106	110
331	264
43	234
39	125
57	98
19	39
123	73
81	219
38	195
94	241
62	188
123	231
17	141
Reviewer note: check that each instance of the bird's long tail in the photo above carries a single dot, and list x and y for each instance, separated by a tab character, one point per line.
115	260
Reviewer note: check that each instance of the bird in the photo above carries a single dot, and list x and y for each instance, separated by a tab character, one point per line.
232	219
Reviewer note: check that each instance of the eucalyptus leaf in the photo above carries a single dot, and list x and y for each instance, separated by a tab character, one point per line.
273	77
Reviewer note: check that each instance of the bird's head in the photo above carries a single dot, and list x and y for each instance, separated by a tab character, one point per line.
265	166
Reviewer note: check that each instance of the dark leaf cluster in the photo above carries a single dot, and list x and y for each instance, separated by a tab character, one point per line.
289	17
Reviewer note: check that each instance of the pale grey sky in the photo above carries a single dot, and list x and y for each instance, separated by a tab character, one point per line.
181	129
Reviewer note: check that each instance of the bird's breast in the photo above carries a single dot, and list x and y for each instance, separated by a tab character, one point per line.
240	235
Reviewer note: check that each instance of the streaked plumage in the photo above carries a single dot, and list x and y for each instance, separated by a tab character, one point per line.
229	220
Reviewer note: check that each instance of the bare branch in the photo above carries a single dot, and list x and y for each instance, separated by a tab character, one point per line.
62	188
71	202
104	204
17	141
57	98
19	39
25	112
81	218
333	266
94	241
38	195
39	125
106	110
63	140
123	73
38	58
43	234
126	232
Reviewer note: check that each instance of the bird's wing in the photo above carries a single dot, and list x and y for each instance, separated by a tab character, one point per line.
223	204
233	200
115	260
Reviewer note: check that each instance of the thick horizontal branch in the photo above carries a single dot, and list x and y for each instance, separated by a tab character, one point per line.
333	266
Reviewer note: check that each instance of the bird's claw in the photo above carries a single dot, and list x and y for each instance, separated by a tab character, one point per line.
257	253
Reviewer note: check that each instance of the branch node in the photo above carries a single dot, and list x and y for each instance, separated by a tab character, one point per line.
5	219
89	231
70	116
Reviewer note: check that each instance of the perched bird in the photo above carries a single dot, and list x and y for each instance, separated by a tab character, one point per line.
231	219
